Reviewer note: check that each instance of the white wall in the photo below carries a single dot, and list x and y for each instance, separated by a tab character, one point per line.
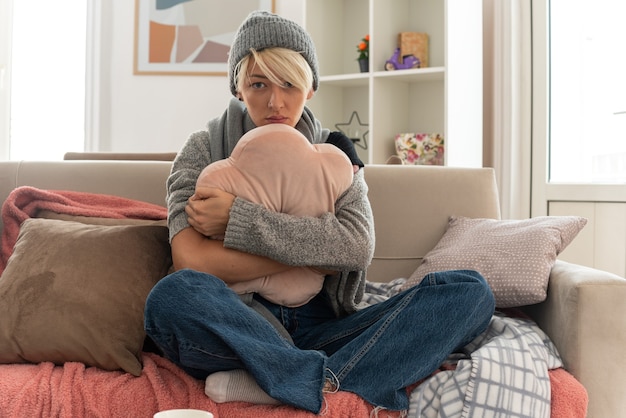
147	113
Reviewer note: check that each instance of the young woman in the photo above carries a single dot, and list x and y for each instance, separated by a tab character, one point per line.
257	351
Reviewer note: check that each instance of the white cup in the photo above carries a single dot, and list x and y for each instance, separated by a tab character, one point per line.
183	413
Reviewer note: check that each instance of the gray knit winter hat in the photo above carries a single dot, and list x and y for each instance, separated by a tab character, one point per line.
262	29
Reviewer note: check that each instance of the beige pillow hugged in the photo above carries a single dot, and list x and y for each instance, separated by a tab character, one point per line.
76	292
276	166
514	256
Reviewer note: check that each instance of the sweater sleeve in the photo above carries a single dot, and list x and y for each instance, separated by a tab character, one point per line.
342	241
181	183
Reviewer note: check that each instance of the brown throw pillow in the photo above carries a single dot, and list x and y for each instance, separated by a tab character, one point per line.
76	292
514	256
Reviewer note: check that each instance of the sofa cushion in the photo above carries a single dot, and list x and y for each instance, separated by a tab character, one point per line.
76	292
514	256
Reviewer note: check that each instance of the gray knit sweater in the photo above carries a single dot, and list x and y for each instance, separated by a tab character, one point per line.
342	241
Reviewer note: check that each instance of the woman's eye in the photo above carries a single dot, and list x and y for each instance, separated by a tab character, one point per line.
257	85
287	84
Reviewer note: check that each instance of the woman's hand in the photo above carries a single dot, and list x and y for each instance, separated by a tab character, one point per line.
208	210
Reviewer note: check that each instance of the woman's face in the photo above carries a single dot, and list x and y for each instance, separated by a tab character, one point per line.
268	102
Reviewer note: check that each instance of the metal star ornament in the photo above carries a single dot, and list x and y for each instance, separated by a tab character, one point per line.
355	130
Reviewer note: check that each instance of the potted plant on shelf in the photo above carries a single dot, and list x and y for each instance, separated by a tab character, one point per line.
363	48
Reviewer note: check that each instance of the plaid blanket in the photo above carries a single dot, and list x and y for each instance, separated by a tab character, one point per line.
502	373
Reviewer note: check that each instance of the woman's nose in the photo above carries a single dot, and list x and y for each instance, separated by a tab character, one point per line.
276	99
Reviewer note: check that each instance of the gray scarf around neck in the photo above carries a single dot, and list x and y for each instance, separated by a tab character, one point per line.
226	130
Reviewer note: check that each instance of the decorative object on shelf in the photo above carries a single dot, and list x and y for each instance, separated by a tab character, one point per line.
416	44
396	62
355	130
412	52
363	48
394	159
364	65
420	148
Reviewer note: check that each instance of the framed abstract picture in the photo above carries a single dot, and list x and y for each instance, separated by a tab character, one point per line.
188	37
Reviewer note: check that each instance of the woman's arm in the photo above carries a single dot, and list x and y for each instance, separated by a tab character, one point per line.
192	250
181	183
340	241
343	240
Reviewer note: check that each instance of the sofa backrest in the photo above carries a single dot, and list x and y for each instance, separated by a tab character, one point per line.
411	204
134	156
141	180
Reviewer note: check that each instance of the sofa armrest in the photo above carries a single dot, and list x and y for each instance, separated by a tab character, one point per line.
585	316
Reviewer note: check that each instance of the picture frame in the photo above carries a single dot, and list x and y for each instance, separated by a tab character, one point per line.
188	37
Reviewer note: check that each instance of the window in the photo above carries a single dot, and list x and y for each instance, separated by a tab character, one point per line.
587	93
47	79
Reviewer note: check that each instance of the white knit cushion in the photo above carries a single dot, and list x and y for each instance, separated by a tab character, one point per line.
514	256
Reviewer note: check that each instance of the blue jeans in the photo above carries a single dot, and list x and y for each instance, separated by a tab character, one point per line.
204	327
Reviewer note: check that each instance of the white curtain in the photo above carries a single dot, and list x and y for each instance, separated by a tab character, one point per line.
507	101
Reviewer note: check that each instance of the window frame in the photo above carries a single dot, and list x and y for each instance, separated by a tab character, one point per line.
542	190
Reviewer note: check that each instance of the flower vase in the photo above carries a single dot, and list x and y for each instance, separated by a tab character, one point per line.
364	65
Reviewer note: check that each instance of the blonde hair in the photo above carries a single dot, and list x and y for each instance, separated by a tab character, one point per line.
280	65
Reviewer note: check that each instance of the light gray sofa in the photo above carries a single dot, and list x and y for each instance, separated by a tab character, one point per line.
584	314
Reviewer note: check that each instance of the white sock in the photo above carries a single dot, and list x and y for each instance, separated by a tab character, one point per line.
236	385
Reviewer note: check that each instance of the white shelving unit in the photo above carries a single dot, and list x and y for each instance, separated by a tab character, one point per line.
445	97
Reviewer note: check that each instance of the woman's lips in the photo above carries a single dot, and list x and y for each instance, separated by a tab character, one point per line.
277	119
